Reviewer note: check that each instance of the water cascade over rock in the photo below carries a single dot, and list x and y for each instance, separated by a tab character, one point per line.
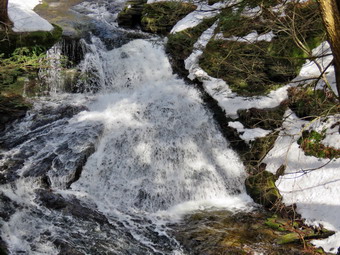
106	169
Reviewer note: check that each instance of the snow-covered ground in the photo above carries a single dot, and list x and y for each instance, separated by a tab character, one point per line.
24	18
313	184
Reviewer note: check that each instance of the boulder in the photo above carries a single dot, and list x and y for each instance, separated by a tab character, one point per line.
131	15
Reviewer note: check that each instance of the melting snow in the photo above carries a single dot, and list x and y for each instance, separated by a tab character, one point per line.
249	38
311	183
24	18
248	134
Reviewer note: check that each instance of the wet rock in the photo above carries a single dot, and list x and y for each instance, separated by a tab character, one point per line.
70	205
66	249
7	207
12	107
3	249
55	151
40	121
8	170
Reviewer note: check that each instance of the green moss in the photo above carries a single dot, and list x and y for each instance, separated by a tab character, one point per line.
22	55
310	143
15	102
38	40
19	69
247	68
261	187
160	17
275	224
309	104
257	68
289	238
254	3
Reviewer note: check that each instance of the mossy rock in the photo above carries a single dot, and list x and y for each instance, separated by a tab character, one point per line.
160	17
262	189
247	68
131	15
275	223
41	40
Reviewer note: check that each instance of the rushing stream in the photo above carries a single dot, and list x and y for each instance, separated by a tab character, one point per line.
107	172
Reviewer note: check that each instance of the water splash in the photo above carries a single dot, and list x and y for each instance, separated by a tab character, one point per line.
157	155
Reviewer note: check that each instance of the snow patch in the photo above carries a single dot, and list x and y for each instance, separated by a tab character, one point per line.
248	134
249	38
309	182
24	18
203	11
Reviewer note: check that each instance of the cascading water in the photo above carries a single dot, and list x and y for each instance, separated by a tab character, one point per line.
105	173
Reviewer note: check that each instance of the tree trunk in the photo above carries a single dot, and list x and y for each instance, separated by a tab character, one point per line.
331	19
3	12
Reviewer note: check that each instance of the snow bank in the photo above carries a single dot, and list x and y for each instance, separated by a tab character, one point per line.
24	18
313	184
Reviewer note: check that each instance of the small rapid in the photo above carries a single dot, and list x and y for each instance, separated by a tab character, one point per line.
107	169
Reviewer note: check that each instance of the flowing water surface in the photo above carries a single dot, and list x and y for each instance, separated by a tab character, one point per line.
107	169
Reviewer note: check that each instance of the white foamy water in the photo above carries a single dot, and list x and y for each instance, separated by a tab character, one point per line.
157	156
160	147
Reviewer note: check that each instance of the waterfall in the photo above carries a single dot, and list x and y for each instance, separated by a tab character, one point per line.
104	171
